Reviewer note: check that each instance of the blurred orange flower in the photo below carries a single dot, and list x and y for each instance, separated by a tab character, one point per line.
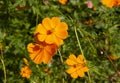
94	8
89	21
41	52
110	3
117	2
63	2
25	72
77	66
47	71
52	31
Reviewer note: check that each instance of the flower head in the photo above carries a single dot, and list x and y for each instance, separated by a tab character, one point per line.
117	2
25	72
63	2
110	3
77	66
47	71
51	31
41	52
89	4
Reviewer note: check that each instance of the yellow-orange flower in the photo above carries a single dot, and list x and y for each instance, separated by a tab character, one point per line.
77	66
117	2
25	72
52	31
110	3
63	2
41	52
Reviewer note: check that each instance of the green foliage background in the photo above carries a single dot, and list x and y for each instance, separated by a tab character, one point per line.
98	40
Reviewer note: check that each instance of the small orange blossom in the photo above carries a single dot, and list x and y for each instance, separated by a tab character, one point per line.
52	31
77	66
47	71
63	2
110	3
25	72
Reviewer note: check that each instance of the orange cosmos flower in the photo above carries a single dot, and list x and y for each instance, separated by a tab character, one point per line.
117	2
41	52
52	31
109	3
63	2
77	66
25	72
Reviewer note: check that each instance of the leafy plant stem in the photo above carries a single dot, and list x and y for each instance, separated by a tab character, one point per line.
81	51
4	69
61	59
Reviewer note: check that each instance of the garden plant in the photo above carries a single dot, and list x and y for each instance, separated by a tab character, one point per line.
59	41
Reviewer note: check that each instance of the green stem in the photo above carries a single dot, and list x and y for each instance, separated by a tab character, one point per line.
61	59
78	41
81	52
36	19
4	69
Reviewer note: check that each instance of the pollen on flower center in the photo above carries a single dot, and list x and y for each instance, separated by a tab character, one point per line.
74	66
49	32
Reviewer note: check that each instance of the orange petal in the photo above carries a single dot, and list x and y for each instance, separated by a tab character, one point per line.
71	70
57	40
39	58
55	21
46	57
80	59
61	27
85	69
74	75
32	55
46	22
80	73
62	34
36	53
49	39
71	60
51	49
40	29
41	37
29	47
